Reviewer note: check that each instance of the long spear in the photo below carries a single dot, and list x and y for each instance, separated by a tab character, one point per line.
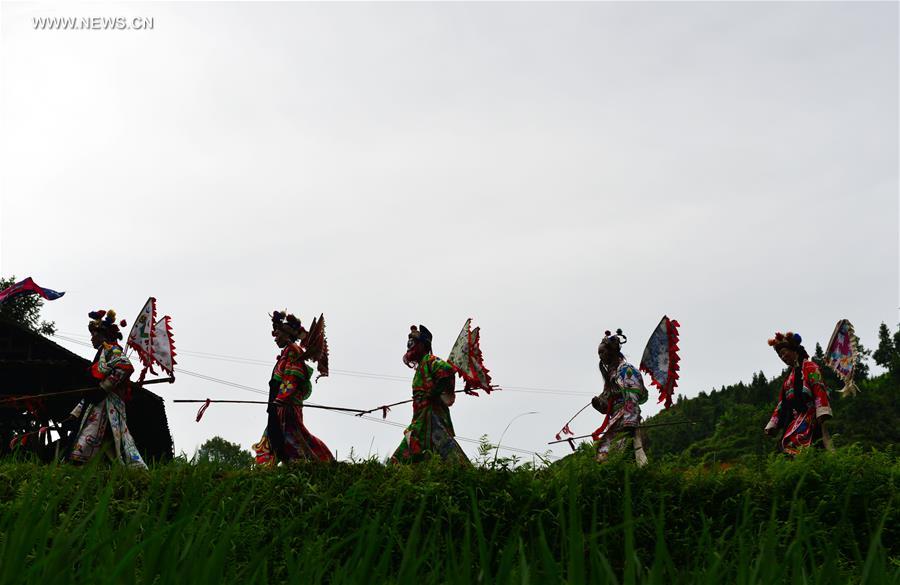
77	391
208	401
663	424
384	408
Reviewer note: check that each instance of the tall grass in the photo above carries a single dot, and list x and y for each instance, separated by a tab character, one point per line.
824	518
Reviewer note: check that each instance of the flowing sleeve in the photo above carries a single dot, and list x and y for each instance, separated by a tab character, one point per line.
773	420
816	385
444	378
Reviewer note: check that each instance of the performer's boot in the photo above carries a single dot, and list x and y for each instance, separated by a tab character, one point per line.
639	456
826	438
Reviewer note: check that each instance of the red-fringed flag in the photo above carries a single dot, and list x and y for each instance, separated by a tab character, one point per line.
842	354
153	340
164	345
26	287
660	359
316	345
467	359
140	339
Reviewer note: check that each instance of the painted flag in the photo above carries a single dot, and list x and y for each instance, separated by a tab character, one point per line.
163	345
152	340
316	346
467	360
141	337
28	286
660	359
842	354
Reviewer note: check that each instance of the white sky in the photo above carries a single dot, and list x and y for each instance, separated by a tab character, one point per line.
552	170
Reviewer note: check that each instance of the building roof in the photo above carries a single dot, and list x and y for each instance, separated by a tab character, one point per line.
31	364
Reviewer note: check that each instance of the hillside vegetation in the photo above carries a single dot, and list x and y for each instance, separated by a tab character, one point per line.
727	424
823	518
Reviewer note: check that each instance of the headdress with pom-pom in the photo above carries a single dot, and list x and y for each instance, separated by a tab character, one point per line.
616	341
420	333
105	322
288	323
790	340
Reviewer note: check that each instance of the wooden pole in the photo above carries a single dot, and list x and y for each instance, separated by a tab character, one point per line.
665	424
307	405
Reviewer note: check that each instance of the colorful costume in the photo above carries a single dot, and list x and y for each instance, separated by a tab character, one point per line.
624	390
623	398
431	430
803	402
620	401
102	425
286	438
800	406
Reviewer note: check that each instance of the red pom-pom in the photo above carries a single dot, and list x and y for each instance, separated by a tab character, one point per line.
122	323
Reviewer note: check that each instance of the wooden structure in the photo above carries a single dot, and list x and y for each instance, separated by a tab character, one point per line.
31	365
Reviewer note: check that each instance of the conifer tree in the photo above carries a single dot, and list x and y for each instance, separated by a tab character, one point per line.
886	355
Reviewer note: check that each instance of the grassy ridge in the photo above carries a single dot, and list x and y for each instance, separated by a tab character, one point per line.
824	518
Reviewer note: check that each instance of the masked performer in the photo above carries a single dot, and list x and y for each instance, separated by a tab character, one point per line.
623	393
431	431
803	405
101	425
286	438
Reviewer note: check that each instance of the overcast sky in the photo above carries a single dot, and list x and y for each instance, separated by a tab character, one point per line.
550	170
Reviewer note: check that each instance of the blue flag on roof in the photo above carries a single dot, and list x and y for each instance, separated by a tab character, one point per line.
26	287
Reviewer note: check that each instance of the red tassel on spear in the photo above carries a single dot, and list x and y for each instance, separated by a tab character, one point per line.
203	408
207	402
566	430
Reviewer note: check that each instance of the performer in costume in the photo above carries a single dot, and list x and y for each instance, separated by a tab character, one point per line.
286	438
623	393
803	405
101	422
431	431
